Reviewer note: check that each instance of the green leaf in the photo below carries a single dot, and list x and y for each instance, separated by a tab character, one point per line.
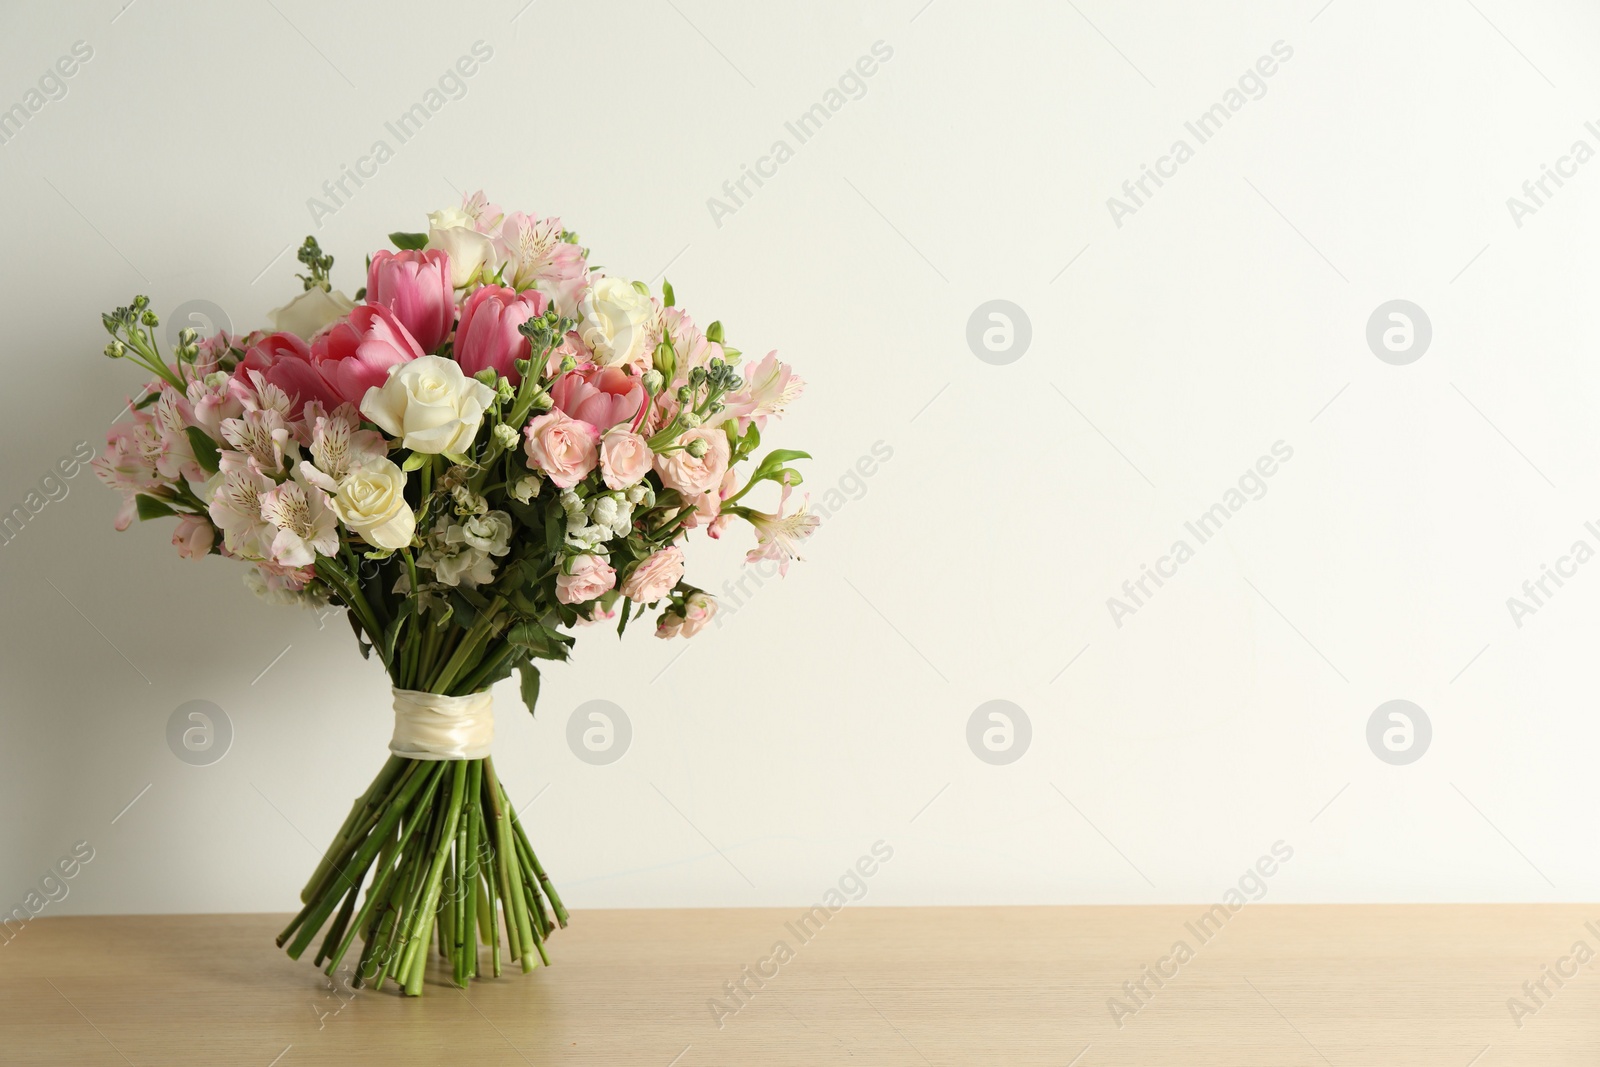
147	400
391	636
415	461
414	241
714	332
204	448
361	636
530	684
622	621
667	297
151	508
465	614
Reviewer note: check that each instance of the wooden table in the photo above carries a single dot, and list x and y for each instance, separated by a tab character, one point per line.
1277	985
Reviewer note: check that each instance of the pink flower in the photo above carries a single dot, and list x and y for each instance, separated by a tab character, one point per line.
211	400
691	475
655	577
355	354
625	459
283	360
779	536
128	463
536	255
698	610
584	578
488	334
769	387
602	396
689	344
708	508
564	448
416	287
194	537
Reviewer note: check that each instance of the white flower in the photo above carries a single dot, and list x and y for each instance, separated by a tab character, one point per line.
430	404
372	503
462	553
470	252
235	507
525	489
614	321
308	313
338	446
490	533
263	435
305	523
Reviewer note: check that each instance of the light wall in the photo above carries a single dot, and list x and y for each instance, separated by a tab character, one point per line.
1173	346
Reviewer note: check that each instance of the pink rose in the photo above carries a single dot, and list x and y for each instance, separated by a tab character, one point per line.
625	459
355	353
690	475
584	578
416	287
698	610
655	577
564	448
194	537
284	361
602	396
708	507
488	334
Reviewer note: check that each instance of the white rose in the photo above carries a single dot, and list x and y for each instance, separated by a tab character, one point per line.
430	404
308	313
372	502
445	218
470	252
613	317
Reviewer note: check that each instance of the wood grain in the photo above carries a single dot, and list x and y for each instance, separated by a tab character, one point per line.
1337	986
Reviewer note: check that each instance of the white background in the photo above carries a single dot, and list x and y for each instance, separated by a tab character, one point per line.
1227	314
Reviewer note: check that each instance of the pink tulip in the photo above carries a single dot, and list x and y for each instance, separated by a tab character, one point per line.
355	354
488	336
416	287
285	361
600	396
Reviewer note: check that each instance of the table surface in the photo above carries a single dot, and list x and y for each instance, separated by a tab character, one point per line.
1277	985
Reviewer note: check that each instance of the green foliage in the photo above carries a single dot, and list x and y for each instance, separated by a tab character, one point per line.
205	449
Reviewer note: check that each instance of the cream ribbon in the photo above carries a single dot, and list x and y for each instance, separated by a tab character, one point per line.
428	726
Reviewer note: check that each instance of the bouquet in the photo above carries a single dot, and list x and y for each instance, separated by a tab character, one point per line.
490	446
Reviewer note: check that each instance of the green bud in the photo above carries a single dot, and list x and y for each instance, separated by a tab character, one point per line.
685	394
151	319
522	366
697	447
115	349
488	376
691	420
652	382
140	303
542	402
504	390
